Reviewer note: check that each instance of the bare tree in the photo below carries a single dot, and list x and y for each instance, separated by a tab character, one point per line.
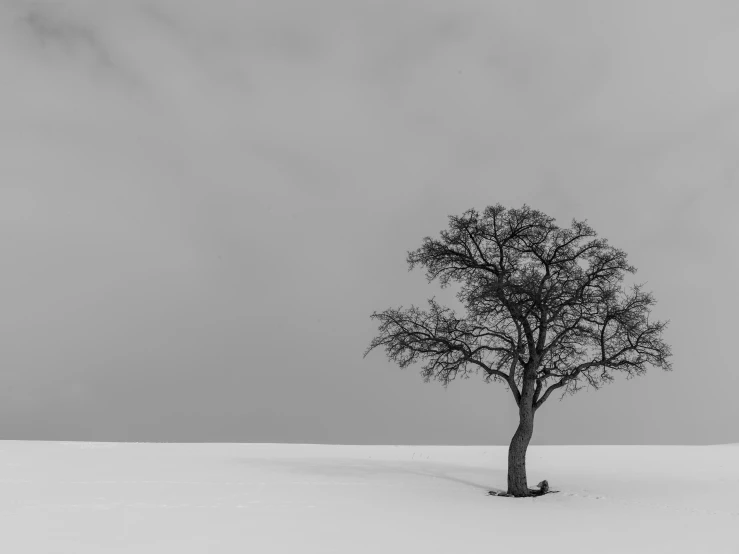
546	309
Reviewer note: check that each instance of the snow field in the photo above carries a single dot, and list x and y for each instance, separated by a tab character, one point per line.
135	497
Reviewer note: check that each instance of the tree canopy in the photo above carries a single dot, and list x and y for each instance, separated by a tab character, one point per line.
545	305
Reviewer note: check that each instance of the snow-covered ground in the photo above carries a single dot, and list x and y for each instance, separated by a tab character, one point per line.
76	497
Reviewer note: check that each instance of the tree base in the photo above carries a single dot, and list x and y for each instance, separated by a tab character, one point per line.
541	491
533	492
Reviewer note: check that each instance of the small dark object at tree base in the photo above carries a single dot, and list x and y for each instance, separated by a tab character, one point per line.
541	491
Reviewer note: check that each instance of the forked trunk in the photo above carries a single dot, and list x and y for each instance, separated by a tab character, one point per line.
517	484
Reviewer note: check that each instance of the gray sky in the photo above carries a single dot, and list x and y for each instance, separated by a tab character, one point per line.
201	203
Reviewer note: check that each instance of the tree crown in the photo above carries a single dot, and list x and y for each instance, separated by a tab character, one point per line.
544	305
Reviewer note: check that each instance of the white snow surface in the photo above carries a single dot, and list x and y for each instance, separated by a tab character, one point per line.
79	497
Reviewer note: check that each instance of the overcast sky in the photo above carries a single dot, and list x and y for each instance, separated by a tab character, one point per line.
201	203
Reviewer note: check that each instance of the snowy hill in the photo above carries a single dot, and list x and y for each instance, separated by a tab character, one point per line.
146	498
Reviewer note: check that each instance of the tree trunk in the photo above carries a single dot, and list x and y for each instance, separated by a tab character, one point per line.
517	484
